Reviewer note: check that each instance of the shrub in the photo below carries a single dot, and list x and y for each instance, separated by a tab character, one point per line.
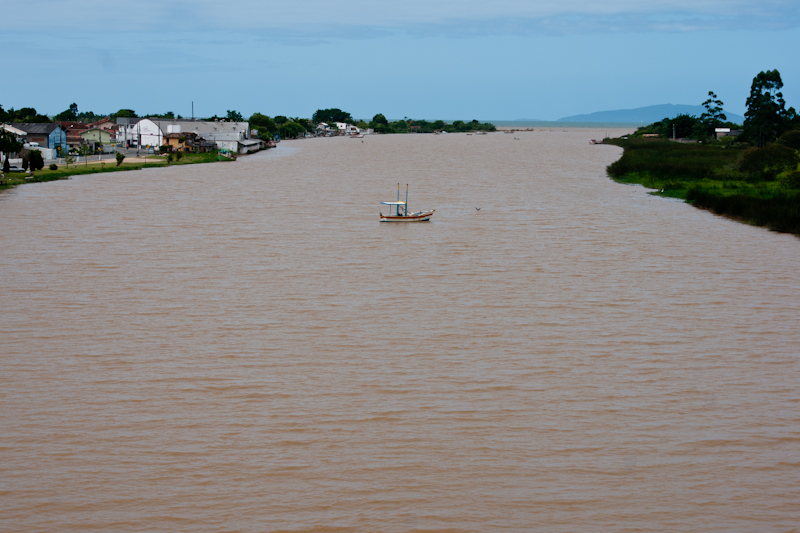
163	148
791	139
178	156
53	166
120	158
169	159
790	179
36	160
766	163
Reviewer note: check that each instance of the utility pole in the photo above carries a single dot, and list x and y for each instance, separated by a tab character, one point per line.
673	131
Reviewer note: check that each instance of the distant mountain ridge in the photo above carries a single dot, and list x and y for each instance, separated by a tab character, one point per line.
647	115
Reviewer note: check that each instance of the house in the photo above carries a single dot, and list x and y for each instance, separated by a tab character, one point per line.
50	135
74	130
347	129
104	124
99	138
151	131
139	132
225	135
726	132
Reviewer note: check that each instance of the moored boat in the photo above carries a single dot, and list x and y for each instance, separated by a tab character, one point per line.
401	213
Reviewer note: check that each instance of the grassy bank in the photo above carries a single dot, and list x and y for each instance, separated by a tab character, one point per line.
744	184
64	172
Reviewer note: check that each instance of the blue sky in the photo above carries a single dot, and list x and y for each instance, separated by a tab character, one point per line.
430	59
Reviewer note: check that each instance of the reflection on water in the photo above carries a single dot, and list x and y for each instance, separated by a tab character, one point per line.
244	347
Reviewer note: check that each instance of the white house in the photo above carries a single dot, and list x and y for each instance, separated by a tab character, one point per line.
151	131
139	132
347	129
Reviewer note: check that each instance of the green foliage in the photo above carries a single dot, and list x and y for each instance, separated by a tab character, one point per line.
120	158
164	148
53	166
125	113
764	164
265	125
667	160
791	139
24	114
178	156
234	116
790	179
379	119
169	159
291	130
766	117
9	143
167	115
70	114
780	212
36	160
280	120
713	116
331	115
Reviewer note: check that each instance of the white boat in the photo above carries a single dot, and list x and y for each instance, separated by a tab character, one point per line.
401	211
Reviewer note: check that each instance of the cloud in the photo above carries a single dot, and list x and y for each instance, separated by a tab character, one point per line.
319	21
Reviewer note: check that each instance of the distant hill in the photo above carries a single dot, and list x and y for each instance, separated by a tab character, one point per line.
647	115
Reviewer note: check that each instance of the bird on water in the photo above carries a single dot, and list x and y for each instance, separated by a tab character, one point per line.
477	208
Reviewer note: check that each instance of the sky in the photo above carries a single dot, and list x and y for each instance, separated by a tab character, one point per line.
421	59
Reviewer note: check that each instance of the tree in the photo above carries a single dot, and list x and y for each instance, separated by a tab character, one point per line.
129	113
380	119
234	116
70	114
766	117
8	145
262	123
291	130
331	115
713	114
120	157
36	160
26	114
69	158
85	150
280	119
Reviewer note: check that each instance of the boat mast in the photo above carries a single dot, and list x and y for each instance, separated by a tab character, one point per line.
406	208
398	199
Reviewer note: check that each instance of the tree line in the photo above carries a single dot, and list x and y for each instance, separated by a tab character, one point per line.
766	118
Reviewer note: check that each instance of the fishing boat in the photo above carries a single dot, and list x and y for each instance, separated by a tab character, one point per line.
401	213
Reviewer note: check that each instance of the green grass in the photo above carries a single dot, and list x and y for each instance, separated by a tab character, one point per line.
708	177
14	179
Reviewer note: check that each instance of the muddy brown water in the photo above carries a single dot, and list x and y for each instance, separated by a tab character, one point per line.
244	347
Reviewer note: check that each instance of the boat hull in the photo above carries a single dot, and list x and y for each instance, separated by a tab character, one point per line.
414	217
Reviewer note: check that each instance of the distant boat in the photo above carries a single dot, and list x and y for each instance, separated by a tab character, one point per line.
404	215
357	136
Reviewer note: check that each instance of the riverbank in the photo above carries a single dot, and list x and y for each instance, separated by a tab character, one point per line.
133	163
727	180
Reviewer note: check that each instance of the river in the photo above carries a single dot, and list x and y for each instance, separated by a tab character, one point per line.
244	347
